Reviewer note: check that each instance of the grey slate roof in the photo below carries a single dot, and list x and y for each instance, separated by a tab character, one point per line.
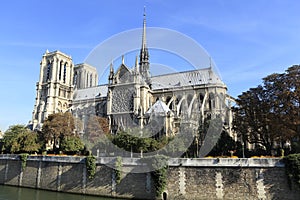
186	78
90	93
180	79
159	108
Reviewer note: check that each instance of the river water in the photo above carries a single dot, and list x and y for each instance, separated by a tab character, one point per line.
17	193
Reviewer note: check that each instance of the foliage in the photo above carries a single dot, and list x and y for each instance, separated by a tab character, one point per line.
176	145
118	169
71	144
271	111
159	166
225	146
296	147
91	166
292	166
160	174
96	127
18	138
132	140
97	131
23	158
58	126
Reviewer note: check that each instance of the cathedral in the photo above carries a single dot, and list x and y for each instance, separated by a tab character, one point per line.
131	97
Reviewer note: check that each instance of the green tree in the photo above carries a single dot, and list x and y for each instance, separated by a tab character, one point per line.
18	138
137	141
56	127
71	144
271	111
225	146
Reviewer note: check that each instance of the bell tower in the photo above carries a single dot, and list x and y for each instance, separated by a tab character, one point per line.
54	90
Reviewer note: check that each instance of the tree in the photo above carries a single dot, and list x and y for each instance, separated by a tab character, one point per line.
71	144
18	138
56	127
96	133
270	112
225	146
131	140
96	127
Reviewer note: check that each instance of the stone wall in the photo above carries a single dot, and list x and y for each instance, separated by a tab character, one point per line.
187	178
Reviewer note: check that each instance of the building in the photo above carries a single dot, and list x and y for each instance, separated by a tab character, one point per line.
132	97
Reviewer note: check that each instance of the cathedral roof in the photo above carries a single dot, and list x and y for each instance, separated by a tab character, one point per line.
90	93
186	78
159	108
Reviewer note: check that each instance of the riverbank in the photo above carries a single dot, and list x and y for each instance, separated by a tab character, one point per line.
203	178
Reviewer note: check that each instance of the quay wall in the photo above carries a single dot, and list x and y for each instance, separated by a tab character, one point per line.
203	178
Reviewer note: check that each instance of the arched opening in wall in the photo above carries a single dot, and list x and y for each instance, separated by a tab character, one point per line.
183	107
201	98
59	107
91	80
65	72
189	99
59	72
48	71
164	196
168	99
87	80
211	101
75	79
177	100
220	100
65	107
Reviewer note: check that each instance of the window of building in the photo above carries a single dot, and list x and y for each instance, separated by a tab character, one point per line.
91	80
65	72
59	73
48	71
75	79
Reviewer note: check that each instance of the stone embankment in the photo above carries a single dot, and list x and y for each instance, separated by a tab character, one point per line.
203	178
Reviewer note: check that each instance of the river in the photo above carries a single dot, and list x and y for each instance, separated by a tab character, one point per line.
17	193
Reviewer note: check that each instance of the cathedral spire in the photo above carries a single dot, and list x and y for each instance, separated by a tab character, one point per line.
144	46
136	64
111	72
144	54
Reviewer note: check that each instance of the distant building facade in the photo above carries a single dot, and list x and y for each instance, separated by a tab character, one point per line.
132	97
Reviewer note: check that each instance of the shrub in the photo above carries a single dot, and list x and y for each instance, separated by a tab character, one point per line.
292	166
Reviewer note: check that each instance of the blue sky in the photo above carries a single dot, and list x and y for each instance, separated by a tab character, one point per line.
246	39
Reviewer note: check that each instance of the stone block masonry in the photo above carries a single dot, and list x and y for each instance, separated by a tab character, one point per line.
187	178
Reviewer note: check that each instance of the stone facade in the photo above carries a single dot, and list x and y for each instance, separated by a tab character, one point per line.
132	97
187	178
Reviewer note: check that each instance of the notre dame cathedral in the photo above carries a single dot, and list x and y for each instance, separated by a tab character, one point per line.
132	97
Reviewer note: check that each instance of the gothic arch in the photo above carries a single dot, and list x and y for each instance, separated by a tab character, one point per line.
65	72
60	69
169	101
48	70
59	107
211	101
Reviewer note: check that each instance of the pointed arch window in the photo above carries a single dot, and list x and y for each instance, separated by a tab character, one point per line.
65	72
87	80
48	71
59	74
75	79
91	80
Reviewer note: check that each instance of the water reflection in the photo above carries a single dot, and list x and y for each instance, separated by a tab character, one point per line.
16	193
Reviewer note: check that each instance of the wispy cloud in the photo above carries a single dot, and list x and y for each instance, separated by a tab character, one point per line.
45	45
